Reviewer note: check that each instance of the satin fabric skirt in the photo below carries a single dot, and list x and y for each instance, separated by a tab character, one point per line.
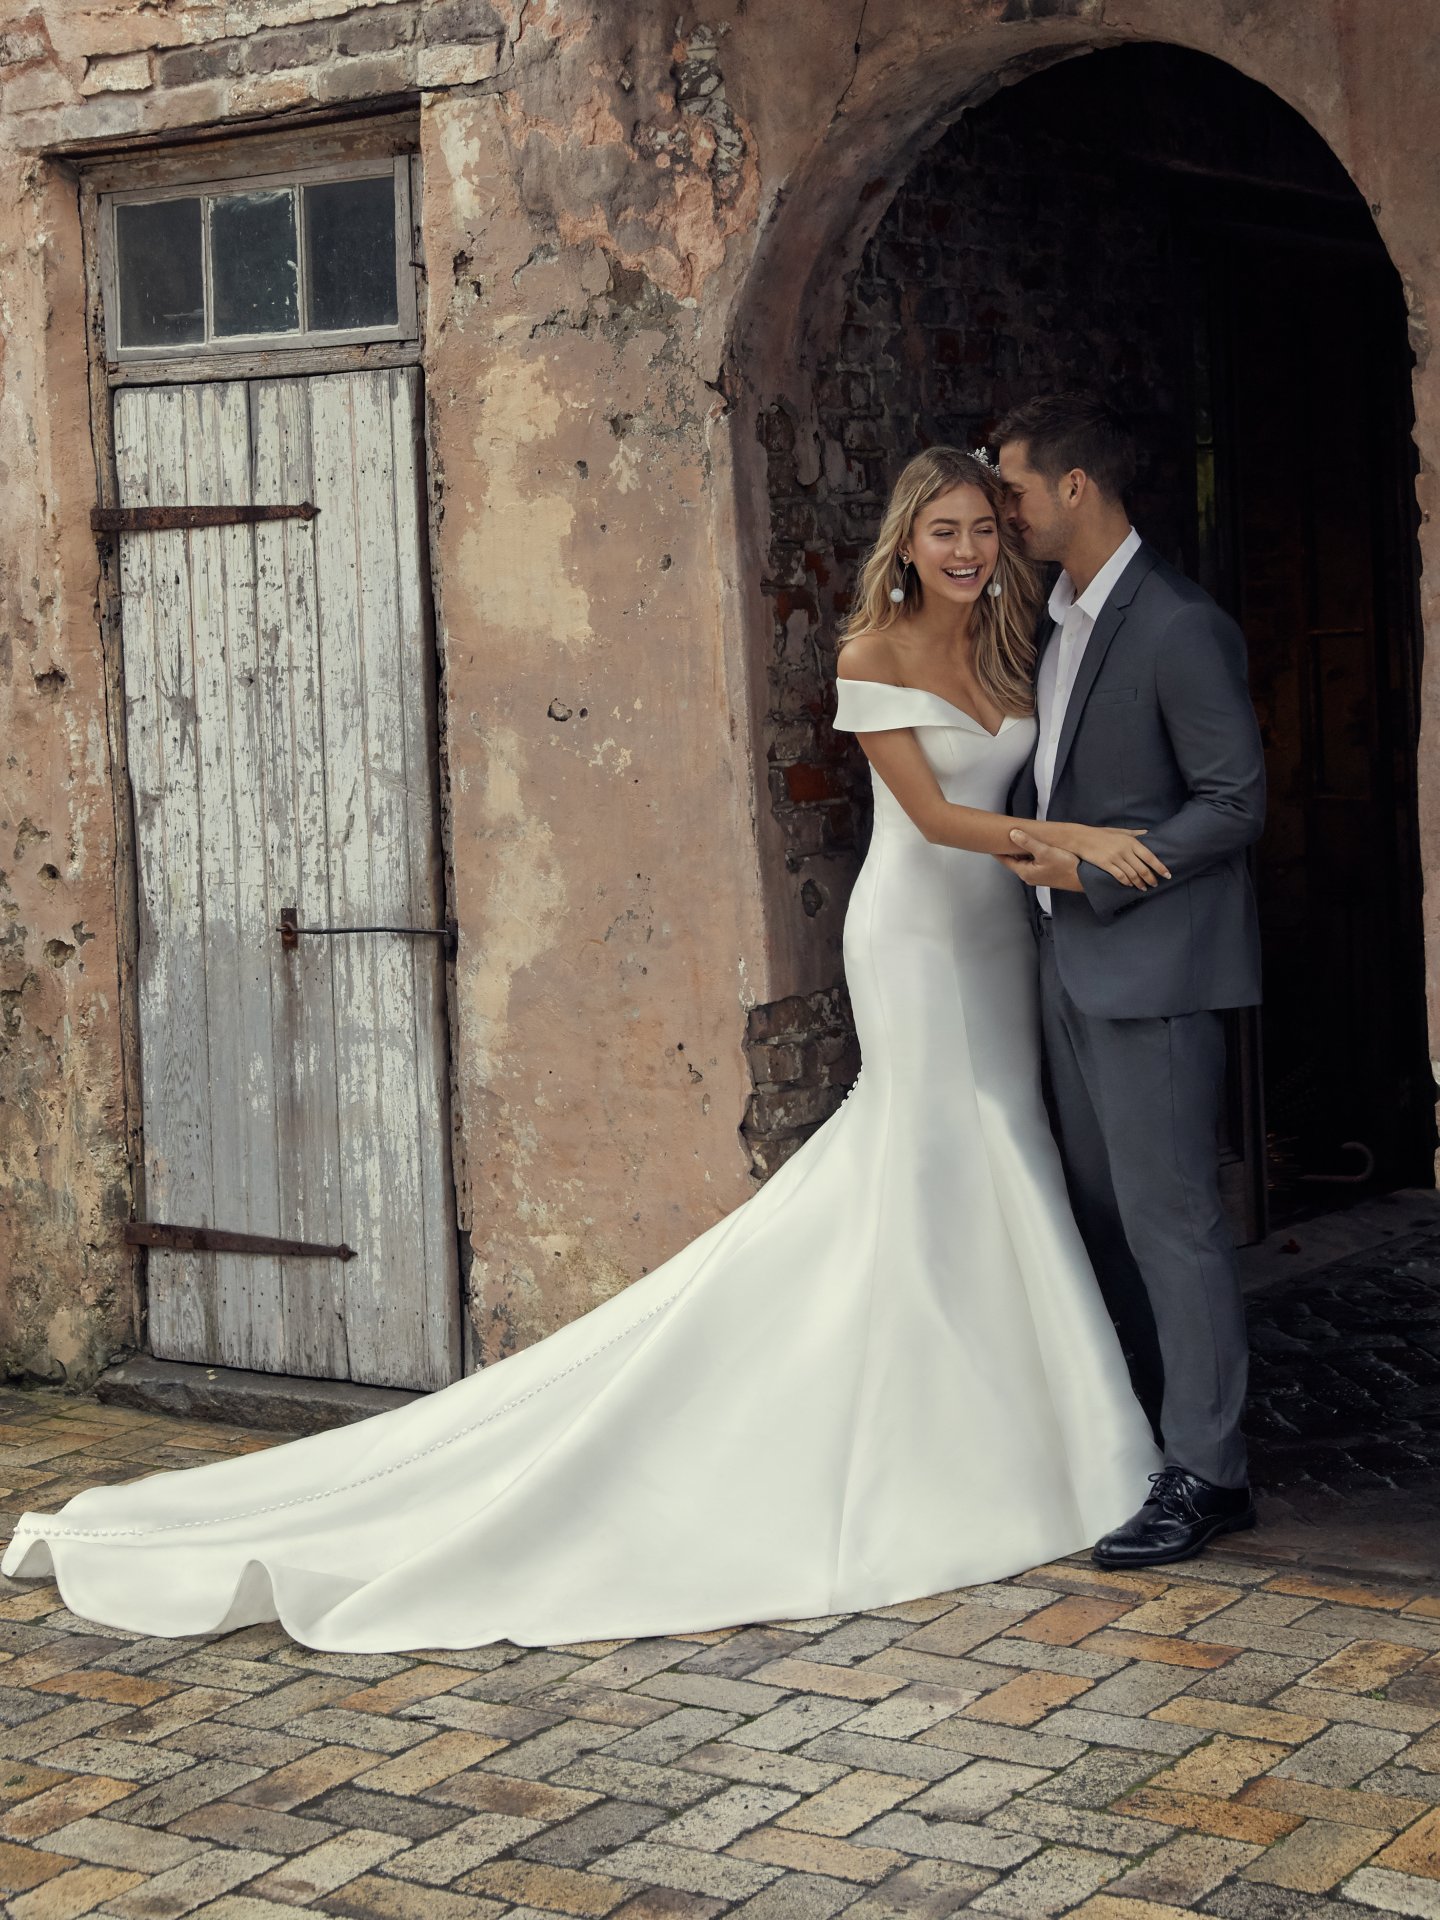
887	1374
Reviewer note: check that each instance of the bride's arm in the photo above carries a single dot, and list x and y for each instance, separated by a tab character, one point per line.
897	759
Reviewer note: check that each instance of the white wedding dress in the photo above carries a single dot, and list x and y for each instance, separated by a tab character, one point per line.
887	1374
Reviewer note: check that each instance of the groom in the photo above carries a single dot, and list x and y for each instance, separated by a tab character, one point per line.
1144	721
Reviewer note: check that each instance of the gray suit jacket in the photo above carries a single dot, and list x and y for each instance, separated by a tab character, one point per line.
1160	733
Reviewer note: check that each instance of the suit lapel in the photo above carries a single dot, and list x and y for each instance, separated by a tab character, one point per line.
1112	618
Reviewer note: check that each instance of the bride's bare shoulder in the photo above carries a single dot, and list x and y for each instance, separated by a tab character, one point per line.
867	656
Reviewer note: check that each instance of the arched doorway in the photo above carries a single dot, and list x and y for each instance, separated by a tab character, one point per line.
1148	221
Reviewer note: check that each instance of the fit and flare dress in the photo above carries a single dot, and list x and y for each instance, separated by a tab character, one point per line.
887	1374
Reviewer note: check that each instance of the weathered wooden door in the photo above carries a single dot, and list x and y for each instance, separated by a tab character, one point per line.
280	722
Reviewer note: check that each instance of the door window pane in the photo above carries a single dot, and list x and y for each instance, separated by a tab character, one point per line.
350	253
254	279
160	272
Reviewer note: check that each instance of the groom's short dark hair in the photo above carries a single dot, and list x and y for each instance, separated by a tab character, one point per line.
1063	431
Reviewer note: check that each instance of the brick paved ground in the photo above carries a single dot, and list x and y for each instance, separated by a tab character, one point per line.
1228	1739
1344	1411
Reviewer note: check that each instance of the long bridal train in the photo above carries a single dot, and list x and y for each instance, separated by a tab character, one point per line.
887	1374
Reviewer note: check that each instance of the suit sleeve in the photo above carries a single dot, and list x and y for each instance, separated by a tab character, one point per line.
1204	696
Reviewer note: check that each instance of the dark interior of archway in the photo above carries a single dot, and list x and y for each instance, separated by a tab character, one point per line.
1148	222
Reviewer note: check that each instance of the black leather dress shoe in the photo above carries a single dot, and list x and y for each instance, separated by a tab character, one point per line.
1183	1514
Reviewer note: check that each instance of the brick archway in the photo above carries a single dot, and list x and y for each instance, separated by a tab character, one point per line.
836	354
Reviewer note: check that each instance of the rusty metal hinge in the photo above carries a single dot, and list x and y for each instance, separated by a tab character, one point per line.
156	1233
289	929
168	519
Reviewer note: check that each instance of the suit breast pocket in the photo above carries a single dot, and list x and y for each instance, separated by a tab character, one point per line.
1113	696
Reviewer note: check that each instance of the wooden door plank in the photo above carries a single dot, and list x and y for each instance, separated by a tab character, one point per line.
249	1288
393	897
218	953
362	1109
420	721
303	1033
175	1062
393	1336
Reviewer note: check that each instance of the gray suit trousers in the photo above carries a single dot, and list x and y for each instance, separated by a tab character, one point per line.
1136	1107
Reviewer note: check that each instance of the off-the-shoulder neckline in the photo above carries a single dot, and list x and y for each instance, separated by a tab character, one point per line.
859	680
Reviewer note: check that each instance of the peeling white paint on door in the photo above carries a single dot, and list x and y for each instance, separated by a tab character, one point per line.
280	715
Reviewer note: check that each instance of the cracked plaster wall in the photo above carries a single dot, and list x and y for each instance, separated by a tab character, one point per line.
637	232
66	1299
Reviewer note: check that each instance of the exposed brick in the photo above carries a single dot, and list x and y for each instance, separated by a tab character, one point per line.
1053	1883
1253	1723
924	1890
1184	1870
298	46
115	1843
1394	1893
1364	1666
817	1853
306	1778
1221	1767
21	1868
371	1898
185	66
1341	1756
117	73
555	1889
577	1842
665	1903
81	1890
1205	1814
470	1844
1316	1856
1417	1850
375	32
306	1876
1068	1621
450	20
181	1889
689	1871
1350	1805
1020	1703
816	1676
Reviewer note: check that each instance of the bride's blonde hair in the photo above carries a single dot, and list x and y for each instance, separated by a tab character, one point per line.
1004	626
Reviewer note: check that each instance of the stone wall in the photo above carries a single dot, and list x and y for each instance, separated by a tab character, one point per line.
1035	245
803	1059
81	72
583	180
637	235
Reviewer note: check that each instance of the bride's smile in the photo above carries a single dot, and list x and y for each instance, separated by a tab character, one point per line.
955	547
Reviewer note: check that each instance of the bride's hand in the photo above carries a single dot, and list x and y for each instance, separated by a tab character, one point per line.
1114	850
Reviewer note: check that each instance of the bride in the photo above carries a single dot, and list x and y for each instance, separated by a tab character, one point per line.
887	1374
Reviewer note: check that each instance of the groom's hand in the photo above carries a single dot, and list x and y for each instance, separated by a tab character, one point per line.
1041	865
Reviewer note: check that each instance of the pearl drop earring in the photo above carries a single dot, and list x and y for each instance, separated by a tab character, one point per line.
897	594
994	589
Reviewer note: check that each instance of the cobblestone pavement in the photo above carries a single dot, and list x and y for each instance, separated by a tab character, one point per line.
1344	1410
1225	1738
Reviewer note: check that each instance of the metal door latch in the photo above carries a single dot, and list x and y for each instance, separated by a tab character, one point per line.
169	519
157	1233
289	929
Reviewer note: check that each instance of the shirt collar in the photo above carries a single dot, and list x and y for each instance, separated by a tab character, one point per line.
1063	596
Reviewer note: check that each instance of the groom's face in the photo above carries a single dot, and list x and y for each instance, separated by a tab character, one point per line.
1036	516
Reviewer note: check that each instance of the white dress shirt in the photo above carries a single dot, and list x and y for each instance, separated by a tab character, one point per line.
1074	616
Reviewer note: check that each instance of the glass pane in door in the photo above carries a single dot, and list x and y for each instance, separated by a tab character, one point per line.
350	253
160	271
254	269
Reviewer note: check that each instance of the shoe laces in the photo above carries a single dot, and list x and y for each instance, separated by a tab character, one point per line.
1170	1490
